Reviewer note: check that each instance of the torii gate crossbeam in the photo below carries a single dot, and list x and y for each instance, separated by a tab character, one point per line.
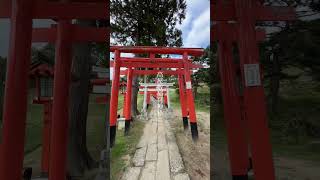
183	64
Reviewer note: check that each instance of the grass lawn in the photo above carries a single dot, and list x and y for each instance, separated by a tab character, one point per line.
125	145
202	101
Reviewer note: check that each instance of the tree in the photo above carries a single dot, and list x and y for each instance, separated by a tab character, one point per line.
295	46
202	75
147	23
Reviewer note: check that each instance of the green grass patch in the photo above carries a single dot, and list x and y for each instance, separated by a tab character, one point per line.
202	100
125	145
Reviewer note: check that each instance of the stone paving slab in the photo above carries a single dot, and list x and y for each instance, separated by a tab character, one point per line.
132	173
157	156
149	171
152	152
182	176
139	157
163	170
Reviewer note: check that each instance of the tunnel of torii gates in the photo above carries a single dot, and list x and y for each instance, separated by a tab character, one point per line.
234	26
183	68
64	35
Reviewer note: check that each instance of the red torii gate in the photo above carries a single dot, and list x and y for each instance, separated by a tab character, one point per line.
245	114
21	13
40	72
151	62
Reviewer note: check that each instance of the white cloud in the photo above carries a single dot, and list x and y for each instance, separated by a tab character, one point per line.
196	27
199	34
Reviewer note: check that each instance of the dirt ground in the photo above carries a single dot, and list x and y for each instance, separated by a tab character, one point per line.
196	156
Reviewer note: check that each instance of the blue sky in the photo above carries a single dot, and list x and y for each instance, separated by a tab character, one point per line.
196	27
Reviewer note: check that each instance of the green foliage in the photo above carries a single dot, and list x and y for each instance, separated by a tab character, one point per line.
44	54
203	74
147	22
296	46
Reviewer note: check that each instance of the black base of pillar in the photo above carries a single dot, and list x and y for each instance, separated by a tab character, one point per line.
27	174
127	127
148	106
185	123
240	177
194	131
113	131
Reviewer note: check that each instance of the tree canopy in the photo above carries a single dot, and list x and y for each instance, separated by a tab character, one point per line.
147	22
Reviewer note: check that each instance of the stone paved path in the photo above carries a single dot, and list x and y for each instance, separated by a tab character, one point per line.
157	156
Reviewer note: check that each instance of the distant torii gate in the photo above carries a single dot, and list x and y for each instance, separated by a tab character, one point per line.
183	64
245	111
146	89
22	12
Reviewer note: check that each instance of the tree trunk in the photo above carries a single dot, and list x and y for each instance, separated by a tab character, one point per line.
79	159
275	83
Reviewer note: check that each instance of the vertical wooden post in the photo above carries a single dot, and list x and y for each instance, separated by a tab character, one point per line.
254	99
190	99
127	106
114	97
46	138
16	90
237	139
60	109
182	101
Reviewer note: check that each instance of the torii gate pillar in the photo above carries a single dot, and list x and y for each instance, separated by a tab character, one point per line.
114	97
15	102
127	106
190	99
60	108
235	125
182	102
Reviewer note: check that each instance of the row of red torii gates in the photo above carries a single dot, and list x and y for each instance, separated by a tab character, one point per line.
234	26
157	63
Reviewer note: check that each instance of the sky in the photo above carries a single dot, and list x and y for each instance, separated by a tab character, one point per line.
196	27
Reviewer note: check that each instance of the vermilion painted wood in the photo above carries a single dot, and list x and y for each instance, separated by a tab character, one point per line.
155	65
182	98
60	109
190	98
148	98
46	130
44	70
235	125
254	98
157	50
15	99
127	106
246	13
79	34
260	13
60	10
115	89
